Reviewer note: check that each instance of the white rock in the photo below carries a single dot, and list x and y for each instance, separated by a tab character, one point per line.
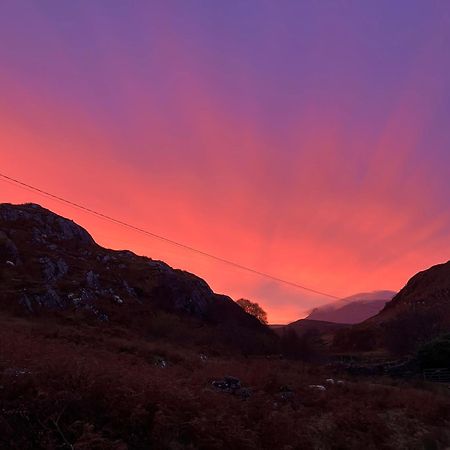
161	363
329	381
318	387
118	300
10	263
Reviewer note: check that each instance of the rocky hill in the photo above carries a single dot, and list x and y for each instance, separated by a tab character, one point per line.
354	309
418	313
49	264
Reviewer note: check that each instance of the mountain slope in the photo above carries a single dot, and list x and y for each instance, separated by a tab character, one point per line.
354	309
50	264
419	312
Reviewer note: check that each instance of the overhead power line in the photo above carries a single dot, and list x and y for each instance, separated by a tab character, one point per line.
162	238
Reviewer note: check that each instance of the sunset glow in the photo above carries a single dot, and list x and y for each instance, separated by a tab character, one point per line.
212	127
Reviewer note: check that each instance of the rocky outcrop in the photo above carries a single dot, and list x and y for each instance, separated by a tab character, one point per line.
8	250
48	262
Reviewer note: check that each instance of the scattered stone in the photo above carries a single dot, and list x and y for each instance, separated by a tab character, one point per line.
227	384
203	357
10	263
83	298
318	387
87	296
16	372
329	381
117	299
161	363
232	381
232	385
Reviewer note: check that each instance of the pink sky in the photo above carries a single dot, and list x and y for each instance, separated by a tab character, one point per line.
319	158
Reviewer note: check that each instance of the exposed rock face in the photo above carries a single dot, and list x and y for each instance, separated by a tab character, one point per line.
8	250
53	270
54	264
45	225
419	312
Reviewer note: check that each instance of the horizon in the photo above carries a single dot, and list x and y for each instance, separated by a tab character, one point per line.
308	141
360	297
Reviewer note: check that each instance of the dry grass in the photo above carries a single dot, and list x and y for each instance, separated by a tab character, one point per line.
85	387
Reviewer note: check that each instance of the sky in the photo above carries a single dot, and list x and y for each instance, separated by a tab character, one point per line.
306	139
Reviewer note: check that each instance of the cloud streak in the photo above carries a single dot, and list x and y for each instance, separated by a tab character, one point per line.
237	139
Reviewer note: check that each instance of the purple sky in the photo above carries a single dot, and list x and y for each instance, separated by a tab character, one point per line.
309	139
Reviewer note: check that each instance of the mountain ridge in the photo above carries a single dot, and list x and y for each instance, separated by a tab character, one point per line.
418	313
50	264
352	309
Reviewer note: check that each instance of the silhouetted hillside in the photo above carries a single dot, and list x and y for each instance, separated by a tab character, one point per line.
418	313
49	264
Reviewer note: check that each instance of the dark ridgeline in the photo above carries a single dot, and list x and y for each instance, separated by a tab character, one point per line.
417	314
49	264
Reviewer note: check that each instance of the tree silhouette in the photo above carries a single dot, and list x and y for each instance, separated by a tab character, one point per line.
253	308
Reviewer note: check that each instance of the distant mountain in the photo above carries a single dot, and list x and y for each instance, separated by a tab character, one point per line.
354	309
49	264
419	312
